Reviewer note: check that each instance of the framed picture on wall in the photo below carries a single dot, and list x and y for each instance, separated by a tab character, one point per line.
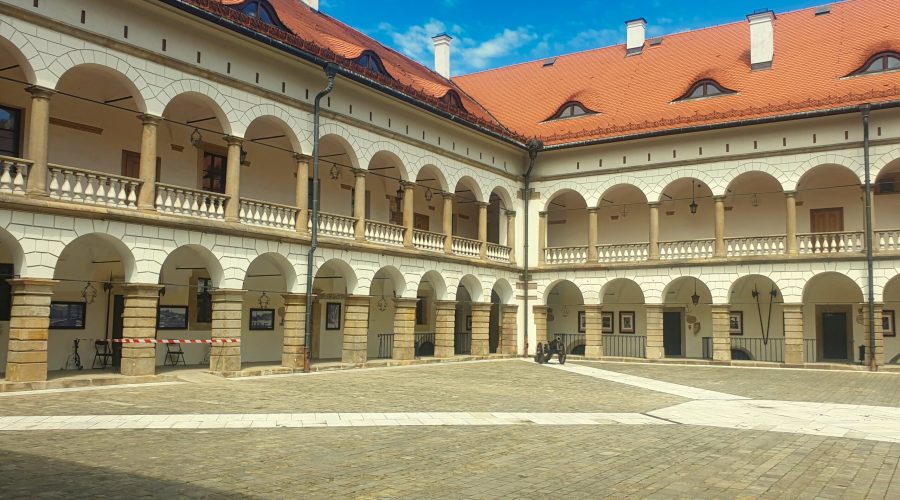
606	322
736	323
172	318
67	315
262	319
626	321
333	316
469	323
582	322
887	323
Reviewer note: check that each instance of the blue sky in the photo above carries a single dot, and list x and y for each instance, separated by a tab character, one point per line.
488	34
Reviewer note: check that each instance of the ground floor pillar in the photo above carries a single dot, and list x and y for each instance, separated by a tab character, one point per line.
879	335
293	348
356	329
444	328
139	322
227	316
509	329
593	332
404	329
793	334
481	328
721	336
540	324
655	347
29	323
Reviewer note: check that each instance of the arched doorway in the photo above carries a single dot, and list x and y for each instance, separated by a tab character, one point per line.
269	277
500	339
833	318
885	207
567	229
334	282
384	199
337	184
687	319
623	222
830	211
686	220
466	200
468	293
565	311
756	321
430	292
755	219
387	286
889	316
11	263
623	319
269	148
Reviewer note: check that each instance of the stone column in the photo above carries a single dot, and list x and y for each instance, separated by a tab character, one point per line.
511	235
359	204
404	329
233	179
654	231
409	210
448	223
301	199
793	335
592	235
482	228
139	322
542	238
38	140
655	348
293	346
790	199
29	322
593	336
540	324
720	227
356	329
147	194
227	318
721	338
481	318
444	326
509	329
879	335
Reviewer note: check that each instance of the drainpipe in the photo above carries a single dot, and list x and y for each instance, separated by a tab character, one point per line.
534	146
330	72
870	231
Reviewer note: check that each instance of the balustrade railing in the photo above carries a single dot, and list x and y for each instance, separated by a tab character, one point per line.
810	354
498	253
843	242
758	349
95	188
466	247
261	213
385	345
382	232
887	240
462	343
13	175
690	249
624	345
424	344
624	252
755	245
565	255
191	202
334	225
426	240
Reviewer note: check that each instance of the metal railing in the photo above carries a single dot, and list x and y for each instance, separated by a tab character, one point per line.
334	225
498	253
689	249
426	240
466	247
262	213
462	343
843	242
623	252
758	349
424	344
755	245
13	174
382	232
191	202
571	341
624	345
707	348
566	255
95	188
385	345
810	354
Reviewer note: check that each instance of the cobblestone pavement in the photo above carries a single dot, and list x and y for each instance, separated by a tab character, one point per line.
516	461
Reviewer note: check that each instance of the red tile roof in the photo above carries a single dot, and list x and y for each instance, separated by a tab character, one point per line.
633	95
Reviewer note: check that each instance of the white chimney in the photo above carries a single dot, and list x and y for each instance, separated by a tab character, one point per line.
313	4
635	34
762	39
442	54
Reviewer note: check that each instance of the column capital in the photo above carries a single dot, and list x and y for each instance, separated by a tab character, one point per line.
483	204
593	210
653	204
405	302
509	307
790	194
481	306
142	289
232	140
32	285
227	295
294	298
445	304
40	92
358	300
719	197
407	184
148	119
510	214
593	307
447	196
302	158
359	172
542	213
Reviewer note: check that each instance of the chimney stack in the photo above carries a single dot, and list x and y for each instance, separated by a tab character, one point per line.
762	39
442	54
312	4
635	35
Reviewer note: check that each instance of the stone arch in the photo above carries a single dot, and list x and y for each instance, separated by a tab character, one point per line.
437	282
206	256
352	153
435	167
883	161
24	53
564	186
808	289
504	290
344	270
396	277
473	287
121	249
282	264
674	287
472	185
342	135
277	114
616	285
615	182
740	287
389	149
544	298
112	65
850	164
504	196
690	173
219	103
775	172
17	254
561	192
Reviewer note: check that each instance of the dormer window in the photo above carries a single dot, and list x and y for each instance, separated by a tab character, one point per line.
705	88
370	61
451	98
572	109
879	63
260	10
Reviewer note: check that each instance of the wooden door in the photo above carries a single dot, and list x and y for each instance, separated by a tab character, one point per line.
822	222
672	330
834	336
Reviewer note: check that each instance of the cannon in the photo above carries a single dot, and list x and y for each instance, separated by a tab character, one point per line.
545	350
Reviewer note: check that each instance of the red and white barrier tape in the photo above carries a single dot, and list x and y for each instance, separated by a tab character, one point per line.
176	341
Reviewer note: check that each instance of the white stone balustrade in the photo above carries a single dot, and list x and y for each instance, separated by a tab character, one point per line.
497	253
96	188
190	202
887	240
381	232
426	240
334	225
466	247
691	249
755	245
565	255
261	213
13	175
842	242
625	252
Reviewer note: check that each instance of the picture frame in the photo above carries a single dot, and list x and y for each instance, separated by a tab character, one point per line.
736	323
262	319
582	322
333	316
607	320
887	323
67	315
469	323
626	321
172	318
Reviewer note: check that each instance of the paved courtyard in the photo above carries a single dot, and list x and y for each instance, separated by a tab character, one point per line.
479	430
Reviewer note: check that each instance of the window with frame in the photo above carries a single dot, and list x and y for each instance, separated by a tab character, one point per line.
131	165
880	63
260	10
214	170
370	61
705	88
572	109
10	131
204	300
453	100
